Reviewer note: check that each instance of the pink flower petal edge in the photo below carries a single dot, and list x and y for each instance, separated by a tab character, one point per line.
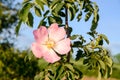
37	51
51	56
63	46
41	34
56	33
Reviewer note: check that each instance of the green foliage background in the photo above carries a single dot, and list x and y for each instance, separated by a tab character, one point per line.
17	65
14	66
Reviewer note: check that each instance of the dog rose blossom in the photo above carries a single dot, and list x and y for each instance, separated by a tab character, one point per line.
50	42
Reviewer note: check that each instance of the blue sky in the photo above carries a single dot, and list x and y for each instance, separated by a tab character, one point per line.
109	24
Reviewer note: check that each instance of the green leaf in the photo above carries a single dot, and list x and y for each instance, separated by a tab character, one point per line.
96	17
99	74
95	12
106	73
40	4
81	4
88	15
54	2
77	44
43	63
76	7
37	11
29	57
62	14
58	19
86	9
94	26
70	1
1	64
60	75
30	19
86	61
59	72
96	6
71	75
50	77
42	22
45	1
100	42
92	33
78	74
58	7
110	71
73	37
109	61
105	38
102	64
40	76
24	11
18	27
90	7
69	66
51	20
52	69
71	11
79	54
25	1
79	16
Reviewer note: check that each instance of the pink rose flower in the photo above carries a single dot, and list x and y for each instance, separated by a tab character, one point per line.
49	42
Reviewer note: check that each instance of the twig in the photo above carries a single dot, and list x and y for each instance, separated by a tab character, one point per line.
67	29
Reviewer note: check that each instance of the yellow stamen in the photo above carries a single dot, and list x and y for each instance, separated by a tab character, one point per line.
50	43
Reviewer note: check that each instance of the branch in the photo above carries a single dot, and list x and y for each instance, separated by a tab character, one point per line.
67	29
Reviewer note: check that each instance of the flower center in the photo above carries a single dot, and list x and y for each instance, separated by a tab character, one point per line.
50	43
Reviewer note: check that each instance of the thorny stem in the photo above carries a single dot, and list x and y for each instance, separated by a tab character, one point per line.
67	30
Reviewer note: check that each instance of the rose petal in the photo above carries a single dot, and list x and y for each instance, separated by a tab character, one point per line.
63	46
51	56
38	50
56	33
41	34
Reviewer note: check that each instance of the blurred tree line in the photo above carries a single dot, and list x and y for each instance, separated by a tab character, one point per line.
15	64
8	20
